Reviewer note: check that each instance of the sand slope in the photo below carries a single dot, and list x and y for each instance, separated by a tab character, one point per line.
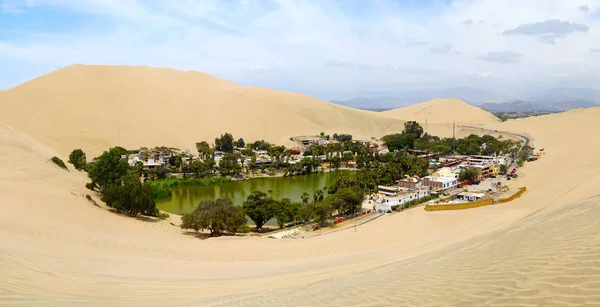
59	249
95	107
538	250
443	111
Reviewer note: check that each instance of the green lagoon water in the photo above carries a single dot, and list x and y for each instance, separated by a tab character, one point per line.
186	198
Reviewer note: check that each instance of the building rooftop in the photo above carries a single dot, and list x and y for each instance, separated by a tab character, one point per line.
471	194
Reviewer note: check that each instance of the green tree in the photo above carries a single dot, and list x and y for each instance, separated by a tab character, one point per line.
252	164
215	216
260	208
318	195
248	152
399	141
335	162
304	213
108	169
346	201
342	137
131	196
347	157
468	174
503	168
321	211
286	211
305	198
240	143
260	145
307	165
413	128
225	143
204	150
229	164
440	148
77	158
201	169
162	172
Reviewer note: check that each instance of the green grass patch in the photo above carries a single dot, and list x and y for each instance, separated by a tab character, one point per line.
163	188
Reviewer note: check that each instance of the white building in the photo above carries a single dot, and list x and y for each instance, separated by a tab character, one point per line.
470	196
388	191
440	183
386	203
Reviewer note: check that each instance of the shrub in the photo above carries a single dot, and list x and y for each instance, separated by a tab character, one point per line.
163	215
78	159
59	162
88	197
243	228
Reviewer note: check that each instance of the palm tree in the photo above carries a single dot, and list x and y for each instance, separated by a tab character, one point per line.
305	197
318	196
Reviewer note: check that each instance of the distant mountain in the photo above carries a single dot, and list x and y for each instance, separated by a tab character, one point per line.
530	107
546	100
403	99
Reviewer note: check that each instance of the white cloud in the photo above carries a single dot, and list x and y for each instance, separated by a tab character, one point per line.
444	49
386	46
501	57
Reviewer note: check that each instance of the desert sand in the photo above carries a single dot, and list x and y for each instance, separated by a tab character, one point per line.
443	111
540	250
94	107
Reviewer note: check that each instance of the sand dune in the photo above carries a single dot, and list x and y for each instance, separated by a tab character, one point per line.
443	111
59	249
95	107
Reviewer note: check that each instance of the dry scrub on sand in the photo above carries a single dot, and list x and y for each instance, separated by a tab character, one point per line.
540	250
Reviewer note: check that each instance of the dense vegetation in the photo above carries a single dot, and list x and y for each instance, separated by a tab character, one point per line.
122	188
413	138
504	116
120	184
217	216
468	174
130	196
342	137
260	208
78	159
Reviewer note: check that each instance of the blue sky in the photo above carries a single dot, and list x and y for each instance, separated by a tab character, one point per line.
329	49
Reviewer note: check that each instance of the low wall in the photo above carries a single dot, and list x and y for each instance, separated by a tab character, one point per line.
514	196
475	204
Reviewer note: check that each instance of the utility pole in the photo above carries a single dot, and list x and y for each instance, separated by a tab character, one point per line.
453	135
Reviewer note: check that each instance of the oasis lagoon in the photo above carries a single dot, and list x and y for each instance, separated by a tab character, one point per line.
187	197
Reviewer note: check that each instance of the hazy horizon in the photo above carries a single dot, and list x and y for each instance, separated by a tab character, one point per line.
334	50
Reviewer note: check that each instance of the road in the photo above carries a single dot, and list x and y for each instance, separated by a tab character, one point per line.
524	137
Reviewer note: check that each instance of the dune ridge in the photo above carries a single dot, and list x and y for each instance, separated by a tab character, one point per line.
95	107
443	111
